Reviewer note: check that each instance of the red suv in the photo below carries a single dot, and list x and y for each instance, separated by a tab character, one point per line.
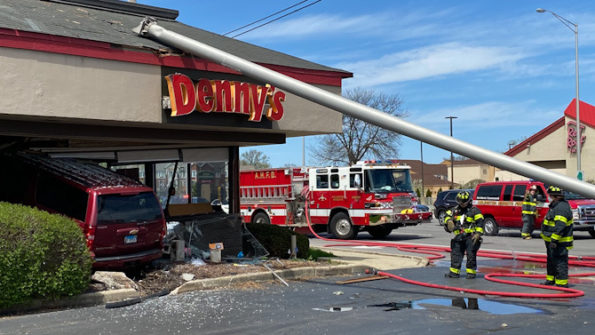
121	218
500	203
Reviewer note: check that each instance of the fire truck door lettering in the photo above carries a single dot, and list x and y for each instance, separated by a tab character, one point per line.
337	198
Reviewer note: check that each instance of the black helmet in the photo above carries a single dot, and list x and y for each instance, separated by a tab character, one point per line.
463	198
554	191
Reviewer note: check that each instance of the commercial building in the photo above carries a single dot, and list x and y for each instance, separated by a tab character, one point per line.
78	82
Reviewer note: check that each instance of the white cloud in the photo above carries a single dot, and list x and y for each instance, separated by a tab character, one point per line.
490	115
437	60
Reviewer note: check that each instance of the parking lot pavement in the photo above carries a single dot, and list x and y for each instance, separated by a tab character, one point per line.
325	306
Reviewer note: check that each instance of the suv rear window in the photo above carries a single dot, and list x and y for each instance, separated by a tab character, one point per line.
489	192
118	208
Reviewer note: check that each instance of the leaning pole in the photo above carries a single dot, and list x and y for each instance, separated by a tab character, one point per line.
149	28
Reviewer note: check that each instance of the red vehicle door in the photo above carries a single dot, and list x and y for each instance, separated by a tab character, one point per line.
507	207
518	197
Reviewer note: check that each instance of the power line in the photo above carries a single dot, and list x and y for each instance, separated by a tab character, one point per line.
264	18
278	18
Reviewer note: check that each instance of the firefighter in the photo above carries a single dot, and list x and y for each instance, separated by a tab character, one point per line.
529	212
466	222
556	231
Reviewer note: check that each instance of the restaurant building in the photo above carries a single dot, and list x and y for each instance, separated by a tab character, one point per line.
78	82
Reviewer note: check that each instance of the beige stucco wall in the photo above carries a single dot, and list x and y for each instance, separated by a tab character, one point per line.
73	87
553	148
54	85
306	117
466	173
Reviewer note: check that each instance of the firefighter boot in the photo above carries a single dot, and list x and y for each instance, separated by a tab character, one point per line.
471	275
451	274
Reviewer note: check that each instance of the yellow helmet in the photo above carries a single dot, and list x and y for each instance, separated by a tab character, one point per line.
554	191
463	198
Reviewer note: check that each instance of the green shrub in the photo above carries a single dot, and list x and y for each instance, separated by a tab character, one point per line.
315	254
42	255
277	240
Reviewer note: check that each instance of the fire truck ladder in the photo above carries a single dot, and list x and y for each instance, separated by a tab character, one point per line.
149	28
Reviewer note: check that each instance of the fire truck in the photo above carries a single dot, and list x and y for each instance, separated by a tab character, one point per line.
373	195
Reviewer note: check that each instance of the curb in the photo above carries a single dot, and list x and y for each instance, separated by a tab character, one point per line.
81	300
120	297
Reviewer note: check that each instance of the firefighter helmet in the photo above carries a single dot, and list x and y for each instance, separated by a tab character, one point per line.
463	198
554	191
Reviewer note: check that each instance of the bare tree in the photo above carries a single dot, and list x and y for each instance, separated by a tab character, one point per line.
360	139
254	159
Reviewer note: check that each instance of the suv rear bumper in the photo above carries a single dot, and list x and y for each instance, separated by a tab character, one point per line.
123	261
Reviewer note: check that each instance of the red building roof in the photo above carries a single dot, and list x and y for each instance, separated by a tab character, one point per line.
587	117
587	113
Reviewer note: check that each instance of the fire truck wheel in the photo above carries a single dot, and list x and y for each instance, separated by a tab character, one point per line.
490	226
379	232
342	227
261	218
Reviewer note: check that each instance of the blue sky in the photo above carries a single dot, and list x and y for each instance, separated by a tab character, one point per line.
504	70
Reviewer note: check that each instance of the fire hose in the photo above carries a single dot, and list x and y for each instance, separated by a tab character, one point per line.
434	253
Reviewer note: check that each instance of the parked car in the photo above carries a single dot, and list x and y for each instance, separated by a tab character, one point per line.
121	218
444	201
500	203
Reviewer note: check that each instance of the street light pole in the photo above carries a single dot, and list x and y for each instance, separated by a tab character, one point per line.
452	171
574	27
421	151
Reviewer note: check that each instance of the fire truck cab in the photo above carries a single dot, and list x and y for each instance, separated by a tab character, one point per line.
375	196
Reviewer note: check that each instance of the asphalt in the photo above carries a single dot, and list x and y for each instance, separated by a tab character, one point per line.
344	263
347	263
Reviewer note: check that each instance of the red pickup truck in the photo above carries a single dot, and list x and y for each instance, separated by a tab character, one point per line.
500	203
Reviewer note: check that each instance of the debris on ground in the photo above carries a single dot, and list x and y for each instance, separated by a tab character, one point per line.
168	279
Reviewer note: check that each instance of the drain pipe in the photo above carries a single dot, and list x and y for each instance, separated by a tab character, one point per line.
150	28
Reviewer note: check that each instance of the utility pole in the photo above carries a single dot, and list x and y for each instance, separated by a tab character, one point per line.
452	171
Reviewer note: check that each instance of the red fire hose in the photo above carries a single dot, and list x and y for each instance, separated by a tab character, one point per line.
434	253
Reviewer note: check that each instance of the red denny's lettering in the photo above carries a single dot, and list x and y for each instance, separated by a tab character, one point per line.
223	96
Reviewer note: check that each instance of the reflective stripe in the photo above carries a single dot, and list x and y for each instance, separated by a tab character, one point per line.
479	230
567	239
561	281
478	216
471	271
528	212
549	277
530	203
549	223
453	270
555	237
561	218
468	230
545	238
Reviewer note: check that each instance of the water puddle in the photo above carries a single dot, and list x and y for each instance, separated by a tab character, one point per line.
484	305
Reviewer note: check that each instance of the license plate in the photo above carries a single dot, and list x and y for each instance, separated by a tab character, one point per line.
129	239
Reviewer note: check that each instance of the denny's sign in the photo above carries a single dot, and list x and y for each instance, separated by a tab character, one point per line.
223	96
